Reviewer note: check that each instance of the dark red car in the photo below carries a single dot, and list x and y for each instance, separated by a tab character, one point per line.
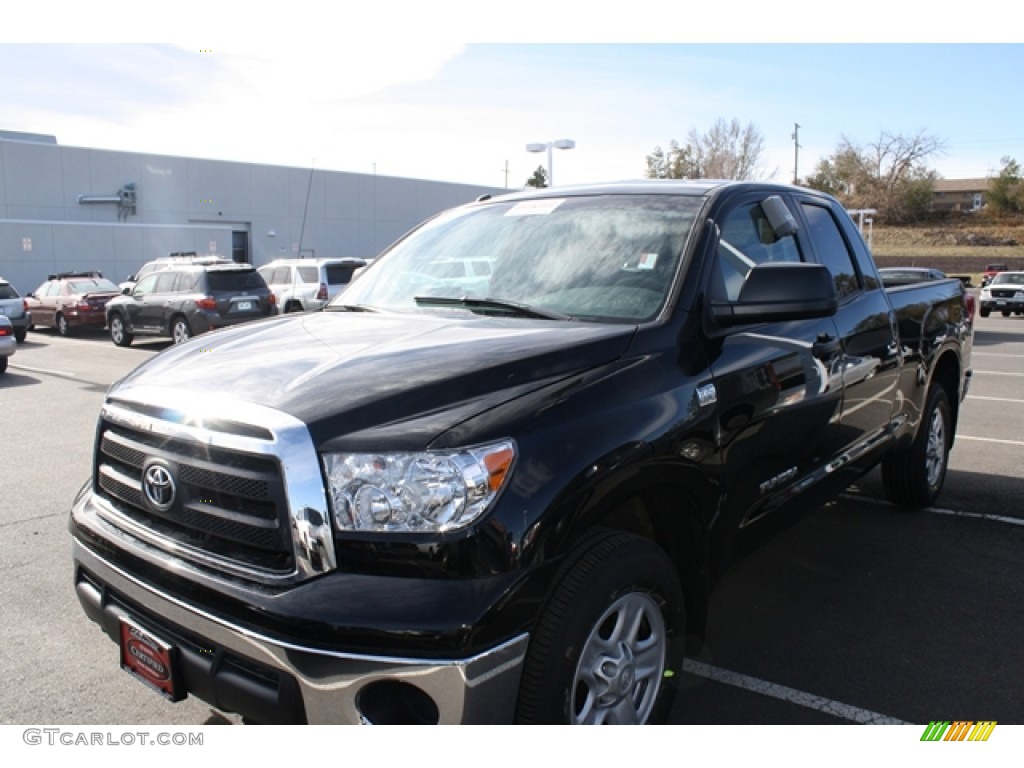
71	300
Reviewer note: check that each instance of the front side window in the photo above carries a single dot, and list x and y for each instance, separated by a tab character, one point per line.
746	240
602	258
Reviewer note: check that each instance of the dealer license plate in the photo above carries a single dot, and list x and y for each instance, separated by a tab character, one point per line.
150	660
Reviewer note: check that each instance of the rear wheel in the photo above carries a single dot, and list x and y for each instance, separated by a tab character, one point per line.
181	331
3	364
609	644
118	333
915	478
62	325
1006	313
20	334
292	306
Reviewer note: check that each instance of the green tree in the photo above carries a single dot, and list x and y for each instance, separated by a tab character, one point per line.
727	150
1006	190
539	178
676	163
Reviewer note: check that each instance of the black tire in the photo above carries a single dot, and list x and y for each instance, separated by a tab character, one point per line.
20	334
62	325
983	312
118	333
181	331
3	364
292	306
915	478
608	647
1006	313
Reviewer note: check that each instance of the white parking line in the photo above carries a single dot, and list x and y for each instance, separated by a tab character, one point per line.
995	399
41	370
999	373
990	440
792	695
939	510
975	353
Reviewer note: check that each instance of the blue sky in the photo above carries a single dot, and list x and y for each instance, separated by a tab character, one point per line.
429	98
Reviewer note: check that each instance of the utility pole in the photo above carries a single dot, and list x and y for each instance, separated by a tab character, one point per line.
796	153
506	174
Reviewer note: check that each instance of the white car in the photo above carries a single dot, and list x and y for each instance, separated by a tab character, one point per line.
8	344
1005	294
302	285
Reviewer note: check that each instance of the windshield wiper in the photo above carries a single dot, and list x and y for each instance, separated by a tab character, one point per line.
498	305
348	308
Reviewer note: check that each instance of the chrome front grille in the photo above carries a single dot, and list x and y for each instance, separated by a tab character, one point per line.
226	503
209	485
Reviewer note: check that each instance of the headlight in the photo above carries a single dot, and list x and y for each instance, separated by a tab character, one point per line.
426	492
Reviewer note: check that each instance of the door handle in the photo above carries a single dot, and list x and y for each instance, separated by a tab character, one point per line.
826	345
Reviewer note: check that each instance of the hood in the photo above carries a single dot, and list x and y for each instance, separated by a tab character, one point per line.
365	374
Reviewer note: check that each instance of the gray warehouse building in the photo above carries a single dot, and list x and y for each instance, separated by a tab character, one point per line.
71	208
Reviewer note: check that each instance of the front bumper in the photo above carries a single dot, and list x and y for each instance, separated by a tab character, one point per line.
1002	305
274	681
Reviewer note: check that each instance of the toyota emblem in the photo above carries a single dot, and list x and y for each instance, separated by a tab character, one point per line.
158	485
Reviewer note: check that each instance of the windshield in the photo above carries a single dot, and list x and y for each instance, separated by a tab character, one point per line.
607	258
1011	278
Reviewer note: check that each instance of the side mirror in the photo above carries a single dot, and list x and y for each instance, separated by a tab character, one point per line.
779	291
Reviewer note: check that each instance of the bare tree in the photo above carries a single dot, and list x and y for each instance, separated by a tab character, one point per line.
726	151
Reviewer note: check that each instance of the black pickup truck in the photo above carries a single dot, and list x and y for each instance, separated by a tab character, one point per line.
438	501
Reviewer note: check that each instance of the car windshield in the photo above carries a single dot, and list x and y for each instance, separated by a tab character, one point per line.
1009	278
608	258
7	291
92	285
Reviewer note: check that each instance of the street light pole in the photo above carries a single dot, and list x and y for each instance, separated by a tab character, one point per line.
547	146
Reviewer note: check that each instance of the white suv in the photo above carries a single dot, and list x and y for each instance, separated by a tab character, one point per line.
301	285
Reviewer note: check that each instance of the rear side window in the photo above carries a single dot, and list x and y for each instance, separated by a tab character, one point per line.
831	248
249	280
7	291
165	282
308	274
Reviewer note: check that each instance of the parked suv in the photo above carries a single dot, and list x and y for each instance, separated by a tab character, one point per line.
174	260
301	285
15	309
70	300
185	300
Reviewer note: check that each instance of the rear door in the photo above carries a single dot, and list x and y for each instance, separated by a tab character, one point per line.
866	323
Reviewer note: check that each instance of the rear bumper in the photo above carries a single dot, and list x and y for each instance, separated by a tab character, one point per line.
270	680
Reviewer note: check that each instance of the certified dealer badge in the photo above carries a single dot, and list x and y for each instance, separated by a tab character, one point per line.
158	485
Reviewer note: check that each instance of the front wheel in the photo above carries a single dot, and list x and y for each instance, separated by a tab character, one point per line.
915	478
983	312
608	647
180	330
118	333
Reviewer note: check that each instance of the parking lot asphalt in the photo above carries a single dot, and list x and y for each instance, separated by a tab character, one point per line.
859	612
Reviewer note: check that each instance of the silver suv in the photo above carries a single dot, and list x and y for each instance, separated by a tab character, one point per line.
15	309
301	285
